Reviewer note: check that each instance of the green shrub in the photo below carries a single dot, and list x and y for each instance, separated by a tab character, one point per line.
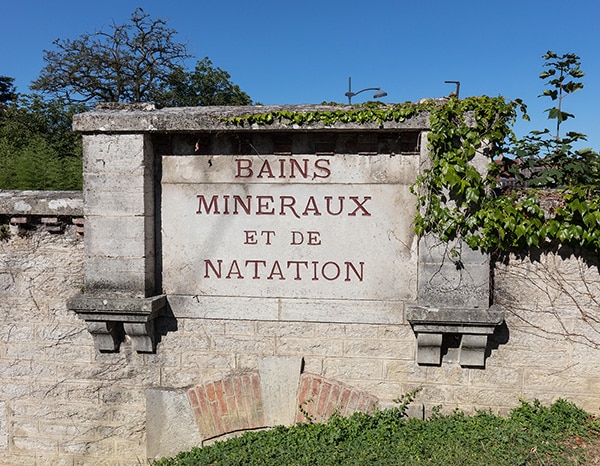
532	434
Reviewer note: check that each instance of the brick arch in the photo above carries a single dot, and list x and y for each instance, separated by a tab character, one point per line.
319	398
228	405
236	403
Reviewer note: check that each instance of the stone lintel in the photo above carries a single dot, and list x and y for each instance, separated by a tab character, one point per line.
473	325
110	318
145	118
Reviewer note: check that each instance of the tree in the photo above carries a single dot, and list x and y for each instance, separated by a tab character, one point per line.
559	70
38	149
128	63
205	85
546	160
7	90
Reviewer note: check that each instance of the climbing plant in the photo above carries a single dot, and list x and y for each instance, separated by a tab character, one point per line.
458	202
369	112
458	195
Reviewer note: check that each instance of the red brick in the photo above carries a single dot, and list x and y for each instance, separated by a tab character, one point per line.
205	406
210	392
256	411
333	402
235	419
353	401
256	392
204	423
240	401
228	386
202	398
246	385
322	400
220	396
344	401
216	417
203	414
366	403
303	393
193	397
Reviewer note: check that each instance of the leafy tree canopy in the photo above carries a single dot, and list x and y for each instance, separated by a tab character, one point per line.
205	85
543	159
7	90
38	149
125	64
139	61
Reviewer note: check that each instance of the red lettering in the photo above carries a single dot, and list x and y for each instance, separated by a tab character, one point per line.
276	270
268	234
234	270
266	168
350	265
360	206
239	202
282	168
250	237
311	206
256	264
281	205
208	263
313	238
322	166
264	206
226	209
243	166
302	169
289	202
299	270
287	168
336	271
297	238
328	200
207	207
297	264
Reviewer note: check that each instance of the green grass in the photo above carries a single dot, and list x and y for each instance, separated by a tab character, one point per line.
531	435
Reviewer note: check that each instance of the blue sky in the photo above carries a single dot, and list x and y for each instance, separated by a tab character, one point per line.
303	52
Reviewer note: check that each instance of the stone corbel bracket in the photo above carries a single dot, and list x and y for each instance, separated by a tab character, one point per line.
109	319
473	325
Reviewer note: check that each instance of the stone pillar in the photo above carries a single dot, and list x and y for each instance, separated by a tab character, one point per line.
120	271
119	214
453	295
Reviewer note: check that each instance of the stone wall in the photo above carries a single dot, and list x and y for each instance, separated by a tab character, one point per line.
85	378
62	402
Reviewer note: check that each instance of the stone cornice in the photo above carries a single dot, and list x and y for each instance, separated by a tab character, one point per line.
145	118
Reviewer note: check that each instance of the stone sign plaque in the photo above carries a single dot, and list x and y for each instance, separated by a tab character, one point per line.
307	226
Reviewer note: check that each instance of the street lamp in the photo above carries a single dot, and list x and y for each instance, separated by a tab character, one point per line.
457	83
351	94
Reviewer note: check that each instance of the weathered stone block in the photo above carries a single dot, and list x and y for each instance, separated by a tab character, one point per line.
118	195
116	153
125	281
171	426
117	237
279	379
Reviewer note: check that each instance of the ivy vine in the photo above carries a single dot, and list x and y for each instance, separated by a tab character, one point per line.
369	112
459	200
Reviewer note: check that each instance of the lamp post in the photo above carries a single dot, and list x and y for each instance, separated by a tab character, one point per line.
351	94
457	83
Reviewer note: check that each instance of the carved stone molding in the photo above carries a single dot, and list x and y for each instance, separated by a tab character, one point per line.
110	318
473	326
